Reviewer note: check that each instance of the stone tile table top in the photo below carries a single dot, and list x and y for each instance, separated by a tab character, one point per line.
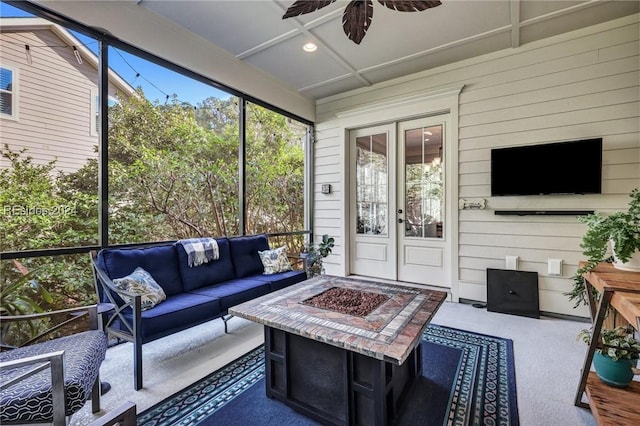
389	332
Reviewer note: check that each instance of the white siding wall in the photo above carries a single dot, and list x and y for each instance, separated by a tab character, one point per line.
54	110
577	85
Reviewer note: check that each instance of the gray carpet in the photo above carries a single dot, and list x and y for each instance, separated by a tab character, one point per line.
548	359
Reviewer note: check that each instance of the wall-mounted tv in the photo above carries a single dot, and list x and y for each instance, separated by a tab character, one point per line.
573	167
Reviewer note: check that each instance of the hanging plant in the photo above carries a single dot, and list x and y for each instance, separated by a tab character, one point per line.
618	234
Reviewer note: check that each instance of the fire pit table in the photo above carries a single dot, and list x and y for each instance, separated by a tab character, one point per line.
343	351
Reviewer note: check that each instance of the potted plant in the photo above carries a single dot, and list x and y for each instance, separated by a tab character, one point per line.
617	234
313	255
615	362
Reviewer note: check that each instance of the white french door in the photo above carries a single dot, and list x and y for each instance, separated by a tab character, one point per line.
372	222
398	204
424	249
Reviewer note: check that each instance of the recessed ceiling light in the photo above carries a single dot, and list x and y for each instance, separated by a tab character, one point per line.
309	47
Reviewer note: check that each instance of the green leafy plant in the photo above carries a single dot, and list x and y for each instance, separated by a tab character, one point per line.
20	296
617	343
173	173
326	245
621	228
315	254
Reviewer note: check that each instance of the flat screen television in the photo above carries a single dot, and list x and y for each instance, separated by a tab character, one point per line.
573	167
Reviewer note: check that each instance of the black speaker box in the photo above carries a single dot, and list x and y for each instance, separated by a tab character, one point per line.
513	292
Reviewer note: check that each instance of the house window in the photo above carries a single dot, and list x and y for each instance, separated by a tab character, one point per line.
94	120
7	92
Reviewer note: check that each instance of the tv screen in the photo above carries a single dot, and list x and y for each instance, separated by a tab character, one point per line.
556	168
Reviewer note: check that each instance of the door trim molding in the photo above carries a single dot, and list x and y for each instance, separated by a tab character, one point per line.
391	104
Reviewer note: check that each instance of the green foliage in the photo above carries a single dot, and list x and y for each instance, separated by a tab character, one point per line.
323	248
622	228
169	177
315	254
178	170
173	173
40	209
275	172
43	209
326	245
22	296
618	343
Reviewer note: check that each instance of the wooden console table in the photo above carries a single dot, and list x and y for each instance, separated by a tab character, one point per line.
621	291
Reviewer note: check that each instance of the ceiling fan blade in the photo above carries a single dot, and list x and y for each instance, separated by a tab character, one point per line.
356	19
300	7
409	5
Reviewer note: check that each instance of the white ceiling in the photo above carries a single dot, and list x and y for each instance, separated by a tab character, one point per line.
396	44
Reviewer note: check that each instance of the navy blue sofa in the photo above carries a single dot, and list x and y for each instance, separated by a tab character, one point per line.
194	294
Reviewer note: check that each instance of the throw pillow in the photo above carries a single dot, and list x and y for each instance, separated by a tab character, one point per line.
275	260
141	282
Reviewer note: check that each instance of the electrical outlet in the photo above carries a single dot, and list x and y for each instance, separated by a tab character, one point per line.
511	262
554	267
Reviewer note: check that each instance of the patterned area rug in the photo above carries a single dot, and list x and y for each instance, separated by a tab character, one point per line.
469	379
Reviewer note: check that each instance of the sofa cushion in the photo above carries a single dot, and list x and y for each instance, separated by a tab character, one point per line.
212	272
141	282
275	260
29	400
234	292
244	254
177	313
160	261
282	279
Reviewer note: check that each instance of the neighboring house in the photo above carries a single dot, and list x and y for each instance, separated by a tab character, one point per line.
49	98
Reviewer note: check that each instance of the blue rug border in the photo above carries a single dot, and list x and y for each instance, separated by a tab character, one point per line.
195	383
513	415
511	366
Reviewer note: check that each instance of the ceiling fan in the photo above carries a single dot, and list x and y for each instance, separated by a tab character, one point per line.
358	14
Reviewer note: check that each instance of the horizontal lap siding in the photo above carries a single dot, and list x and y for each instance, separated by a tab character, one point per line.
328	209
579	85
54	101
593	93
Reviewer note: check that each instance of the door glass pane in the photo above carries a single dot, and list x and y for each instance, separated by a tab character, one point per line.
424	182
371	184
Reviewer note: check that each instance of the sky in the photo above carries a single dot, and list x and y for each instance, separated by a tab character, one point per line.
157	82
